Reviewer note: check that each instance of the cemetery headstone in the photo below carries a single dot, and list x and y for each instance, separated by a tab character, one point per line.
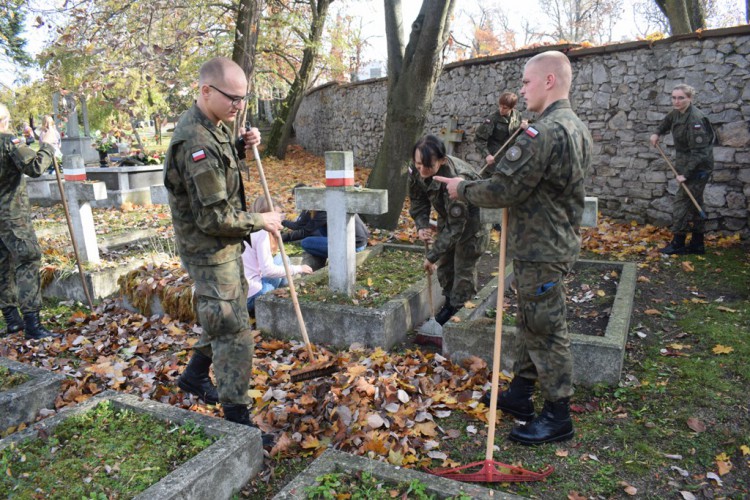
341	200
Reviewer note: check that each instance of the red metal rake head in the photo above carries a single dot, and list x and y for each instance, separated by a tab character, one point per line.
491	471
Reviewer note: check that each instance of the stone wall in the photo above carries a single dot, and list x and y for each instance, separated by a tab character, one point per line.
621	91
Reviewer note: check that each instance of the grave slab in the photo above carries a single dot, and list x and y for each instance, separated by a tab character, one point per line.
596	360
101	283
127	184
21	404
590	216
217	472
342	325
332	461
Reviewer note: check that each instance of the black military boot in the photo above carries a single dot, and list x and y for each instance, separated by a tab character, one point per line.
553	424
33	328
196	381
516	400
13	320
696	245
240	414
445	313
676	246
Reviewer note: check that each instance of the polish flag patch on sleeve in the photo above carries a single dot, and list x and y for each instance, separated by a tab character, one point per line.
199	155
532	132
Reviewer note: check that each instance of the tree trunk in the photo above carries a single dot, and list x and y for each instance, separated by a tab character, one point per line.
245	44
412	77
677	13
281	132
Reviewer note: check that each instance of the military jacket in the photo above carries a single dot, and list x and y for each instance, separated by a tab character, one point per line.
540	179
495	131
206	194
17	159
693	140
457	219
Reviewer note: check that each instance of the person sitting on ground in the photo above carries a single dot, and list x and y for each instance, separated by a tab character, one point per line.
310	228
263	271
28	135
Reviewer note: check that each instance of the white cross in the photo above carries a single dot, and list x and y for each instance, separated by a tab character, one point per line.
341	200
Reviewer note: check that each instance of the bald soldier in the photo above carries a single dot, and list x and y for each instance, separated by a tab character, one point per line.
540	181
210	218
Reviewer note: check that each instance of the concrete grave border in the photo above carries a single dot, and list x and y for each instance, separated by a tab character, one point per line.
332	461
596	360
21	404
342	325
217	472
102	283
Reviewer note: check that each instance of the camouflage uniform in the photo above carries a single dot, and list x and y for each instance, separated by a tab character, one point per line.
20	253
495	131
540	179
461	238
693	140
207	200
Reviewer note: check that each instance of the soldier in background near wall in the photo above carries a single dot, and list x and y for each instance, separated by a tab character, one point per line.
694	139
540	180
20	253
497	128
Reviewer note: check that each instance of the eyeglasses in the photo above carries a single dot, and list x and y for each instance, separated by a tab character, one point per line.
236	101
674	97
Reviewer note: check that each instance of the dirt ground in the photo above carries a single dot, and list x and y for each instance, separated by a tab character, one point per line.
591	291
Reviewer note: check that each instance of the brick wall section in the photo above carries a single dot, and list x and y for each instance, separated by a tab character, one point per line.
621	92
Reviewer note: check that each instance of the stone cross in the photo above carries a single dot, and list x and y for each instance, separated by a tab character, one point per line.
452	136
341	200
79	194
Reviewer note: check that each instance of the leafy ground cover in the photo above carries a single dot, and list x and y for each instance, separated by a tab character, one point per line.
677	426
9	379
102	453
364	486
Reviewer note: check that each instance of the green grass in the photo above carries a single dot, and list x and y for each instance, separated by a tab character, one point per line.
9	379
636	433
103	453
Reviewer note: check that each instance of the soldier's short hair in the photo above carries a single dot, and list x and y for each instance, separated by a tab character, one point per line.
214	69
508	99
686	89
431	148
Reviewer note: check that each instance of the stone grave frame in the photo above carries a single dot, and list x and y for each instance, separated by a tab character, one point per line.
603	357
21	404
217	472
332	461
341	325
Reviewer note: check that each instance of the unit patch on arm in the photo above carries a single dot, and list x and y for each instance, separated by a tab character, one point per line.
513	154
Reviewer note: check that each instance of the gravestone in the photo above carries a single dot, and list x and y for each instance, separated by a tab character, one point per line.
452	136
74	142
341	200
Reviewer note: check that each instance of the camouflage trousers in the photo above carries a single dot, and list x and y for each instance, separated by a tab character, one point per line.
457	269
20	259
219	299
686	218
543	338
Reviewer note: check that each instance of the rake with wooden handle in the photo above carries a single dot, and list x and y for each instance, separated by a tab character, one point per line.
491	471
314	370
684	186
